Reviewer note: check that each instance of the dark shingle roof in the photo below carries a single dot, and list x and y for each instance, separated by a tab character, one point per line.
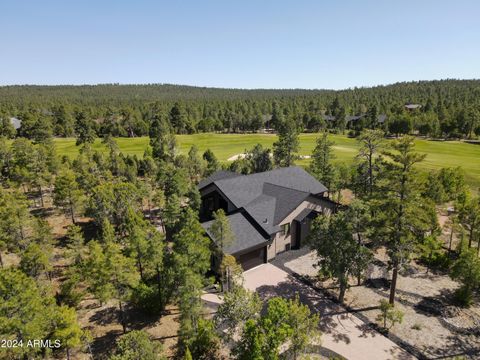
246	235
218	175
241	190
286	200
268	197
305	213
353	117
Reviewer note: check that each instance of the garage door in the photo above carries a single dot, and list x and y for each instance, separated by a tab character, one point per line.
252	258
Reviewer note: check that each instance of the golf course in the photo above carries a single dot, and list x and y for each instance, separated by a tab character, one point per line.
439	153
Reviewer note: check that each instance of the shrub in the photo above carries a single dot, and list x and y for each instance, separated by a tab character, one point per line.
463	297
416	326
69	293
466	269
137	345
145	298
389	315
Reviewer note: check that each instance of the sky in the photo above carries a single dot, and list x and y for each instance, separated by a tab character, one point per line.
332	44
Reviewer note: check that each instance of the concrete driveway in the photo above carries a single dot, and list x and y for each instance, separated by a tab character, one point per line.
342	333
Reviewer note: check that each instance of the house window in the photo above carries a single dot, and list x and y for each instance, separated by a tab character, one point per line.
285	229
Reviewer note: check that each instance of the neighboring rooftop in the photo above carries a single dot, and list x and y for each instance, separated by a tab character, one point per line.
16	122
353	117
382	118
413	106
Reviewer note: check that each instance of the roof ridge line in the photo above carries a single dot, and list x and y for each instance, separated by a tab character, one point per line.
288	188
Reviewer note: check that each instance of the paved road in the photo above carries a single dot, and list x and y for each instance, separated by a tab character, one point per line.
342	333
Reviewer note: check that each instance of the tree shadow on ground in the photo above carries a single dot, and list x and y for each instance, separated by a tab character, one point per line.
89	230
318	350
317	303
457	346
332	313
429	306
402	355
43	212
104	346
105	316
136	319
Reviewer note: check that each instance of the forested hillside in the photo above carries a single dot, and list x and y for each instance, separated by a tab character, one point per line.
446	108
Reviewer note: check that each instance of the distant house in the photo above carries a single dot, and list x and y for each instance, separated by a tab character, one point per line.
16	122
353	118
412	106
350	120
329	118
381	118
269	212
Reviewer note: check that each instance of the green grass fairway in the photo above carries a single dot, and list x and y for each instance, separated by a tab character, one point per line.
439	153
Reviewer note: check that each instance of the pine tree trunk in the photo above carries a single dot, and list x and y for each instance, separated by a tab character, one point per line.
393	285
140	267
41	195
122	317
359	275
343	288
451	238
159	282
370	174
1	260
163	224
22	233
429	261
68	353
72	213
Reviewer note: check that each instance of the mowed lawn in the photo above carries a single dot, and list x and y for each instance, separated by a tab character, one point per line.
439	153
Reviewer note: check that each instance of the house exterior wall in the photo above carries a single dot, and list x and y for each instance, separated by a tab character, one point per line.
280	240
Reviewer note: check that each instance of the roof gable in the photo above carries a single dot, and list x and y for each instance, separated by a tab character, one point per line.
246	235
270	196
218	175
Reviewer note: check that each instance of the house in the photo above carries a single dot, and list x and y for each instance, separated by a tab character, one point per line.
269	212
412	106
382	118
16	123
351	120
329	118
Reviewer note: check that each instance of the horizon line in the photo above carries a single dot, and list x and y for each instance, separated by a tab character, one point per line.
239	88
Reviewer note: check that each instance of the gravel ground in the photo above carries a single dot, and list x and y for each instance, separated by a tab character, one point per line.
431	324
